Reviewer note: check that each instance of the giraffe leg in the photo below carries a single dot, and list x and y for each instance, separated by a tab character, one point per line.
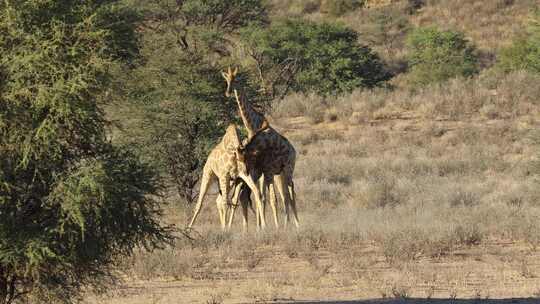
257	195
288	186
255	176
245	200
263	189
242	197
292	195
208	175
221	207
235	203
272	194
278	181
224	187
289	183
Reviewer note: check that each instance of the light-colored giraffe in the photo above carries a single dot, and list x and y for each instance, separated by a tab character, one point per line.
241	195
274	157
241	192
226	162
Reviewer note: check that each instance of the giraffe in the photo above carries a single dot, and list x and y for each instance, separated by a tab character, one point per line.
242	195
275	159
226	162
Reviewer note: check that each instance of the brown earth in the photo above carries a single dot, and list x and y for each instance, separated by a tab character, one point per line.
496	272
270	270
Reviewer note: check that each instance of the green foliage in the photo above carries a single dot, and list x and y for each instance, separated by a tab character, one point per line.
524	53
177	111
63	186
175	98
119	21
306	56
201	26
338	8
437	55
229	15
386	27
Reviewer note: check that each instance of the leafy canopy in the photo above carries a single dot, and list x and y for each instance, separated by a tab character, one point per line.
174	97
437	55
201	26
305	56
63	185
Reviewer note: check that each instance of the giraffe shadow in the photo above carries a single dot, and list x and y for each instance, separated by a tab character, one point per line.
421	301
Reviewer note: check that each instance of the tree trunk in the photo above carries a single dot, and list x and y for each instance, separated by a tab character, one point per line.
7	287
3	287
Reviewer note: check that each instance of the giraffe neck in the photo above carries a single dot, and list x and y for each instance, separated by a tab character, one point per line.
252	119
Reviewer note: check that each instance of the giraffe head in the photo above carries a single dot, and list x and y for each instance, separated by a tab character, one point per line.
229	76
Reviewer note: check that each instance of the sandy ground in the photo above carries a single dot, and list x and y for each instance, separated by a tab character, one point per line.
497	272
494	272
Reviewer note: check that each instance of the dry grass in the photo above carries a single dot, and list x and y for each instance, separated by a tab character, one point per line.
382	201
382	24
402	193
416	187
490	24
491	96
424	193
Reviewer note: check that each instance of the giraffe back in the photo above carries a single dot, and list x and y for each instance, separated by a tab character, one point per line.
223	158
270	151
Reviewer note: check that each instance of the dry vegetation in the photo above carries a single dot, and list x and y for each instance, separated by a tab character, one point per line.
403	193
489	96
396	201
491	25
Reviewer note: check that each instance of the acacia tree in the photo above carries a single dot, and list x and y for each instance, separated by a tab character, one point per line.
305	56
201	26
436	55
175	95
71	202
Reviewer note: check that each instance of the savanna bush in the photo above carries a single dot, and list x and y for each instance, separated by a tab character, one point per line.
338	8
71	202
305	56
177	112
524	53
174	109
305	6
385	27
437	55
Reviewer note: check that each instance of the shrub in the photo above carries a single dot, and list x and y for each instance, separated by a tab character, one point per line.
439	55
524	53
414	5
305	56
338	8
304	6
310	105
71	203
177	111
174	108
200	26
385	27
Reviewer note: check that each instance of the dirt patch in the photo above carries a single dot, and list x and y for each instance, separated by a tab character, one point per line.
496	270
